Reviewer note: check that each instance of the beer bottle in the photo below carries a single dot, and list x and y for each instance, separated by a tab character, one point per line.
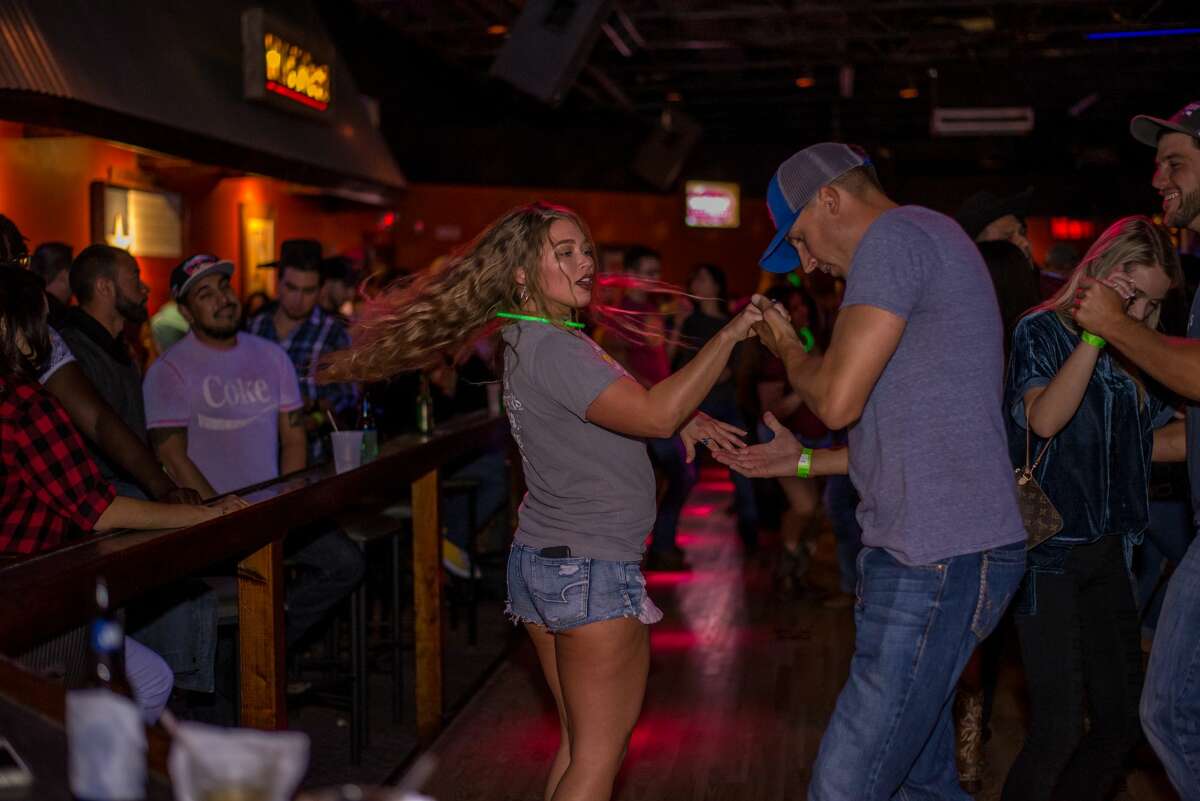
366	424
425	407
106	740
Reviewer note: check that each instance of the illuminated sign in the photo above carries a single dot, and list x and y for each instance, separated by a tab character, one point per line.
711	204
1068	228
146	223
293	73
283	67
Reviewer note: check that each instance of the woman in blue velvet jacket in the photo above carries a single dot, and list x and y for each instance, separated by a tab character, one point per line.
1075	615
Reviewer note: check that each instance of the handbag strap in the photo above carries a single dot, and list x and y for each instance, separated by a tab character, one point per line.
1029	468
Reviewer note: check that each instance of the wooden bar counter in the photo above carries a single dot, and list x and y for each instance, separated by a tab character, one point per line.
50	593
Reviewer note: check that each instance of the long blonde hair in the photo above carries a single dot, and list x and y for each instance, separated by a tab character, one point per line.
1127	242
448	306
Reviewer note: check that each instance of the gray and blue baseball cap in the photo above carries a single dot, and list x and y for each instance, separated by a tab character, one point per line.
1147	129
794	184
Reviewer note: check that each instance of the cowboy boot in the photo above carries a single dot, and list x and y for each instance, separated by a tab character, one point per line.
968	719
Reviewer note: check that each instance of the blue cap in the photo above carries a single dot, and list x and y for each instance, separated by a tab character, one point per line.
794	184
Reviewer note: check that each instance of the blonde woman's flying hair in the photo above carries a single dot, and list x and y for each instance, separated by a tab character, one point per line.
447	307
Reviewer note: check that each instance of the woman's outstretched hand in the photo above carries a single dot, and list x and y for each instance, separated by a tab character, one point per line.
774	459
744	325
713	434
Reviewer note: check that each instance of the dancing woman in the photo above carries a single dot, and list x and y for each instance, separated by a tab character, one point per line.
574	579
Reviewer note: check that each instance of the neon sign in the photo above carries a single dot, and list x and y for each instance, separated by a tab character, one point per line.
712	204
293	72
284	67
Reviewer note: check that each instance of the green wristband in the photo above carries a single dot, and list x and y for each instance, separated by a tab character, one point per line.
804	466
1092	339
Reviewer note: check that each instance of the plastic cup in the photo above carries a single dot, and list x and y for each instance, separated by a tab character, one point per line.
347	450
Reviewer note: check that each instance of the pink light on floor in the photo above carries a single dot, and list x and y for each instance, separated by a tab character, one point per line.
699	509
696	539
715	486
673	639
659	580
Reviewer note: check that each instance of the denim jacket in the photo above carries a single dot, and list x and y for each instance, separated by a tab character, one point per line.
1096	471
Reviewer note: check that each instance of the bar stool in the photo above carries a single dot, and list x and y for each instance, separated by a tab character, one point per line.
365	529
470	488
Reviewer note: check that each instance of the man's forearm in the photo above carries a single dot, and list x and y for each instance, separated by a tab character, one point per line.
804	376
1173	362
1170	442
293	456
122	446
186	474
828	462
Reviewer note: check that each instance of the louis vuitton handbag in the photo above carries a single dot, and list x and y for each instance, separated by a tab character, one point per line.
1042	520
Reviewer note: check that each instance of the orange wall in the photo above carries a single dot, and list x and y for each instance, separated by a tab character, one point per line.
45	189
615	219
214	222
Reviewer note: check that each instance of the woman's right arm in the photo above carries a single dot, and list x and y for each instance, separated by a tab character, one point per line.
134	513
1048	409
628	408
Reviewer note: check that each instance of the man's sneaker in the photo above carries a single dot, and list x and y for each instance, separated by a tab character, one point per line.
456	562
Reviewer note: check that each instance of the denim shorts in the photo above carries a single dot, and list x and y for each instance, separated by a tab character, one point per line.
568	592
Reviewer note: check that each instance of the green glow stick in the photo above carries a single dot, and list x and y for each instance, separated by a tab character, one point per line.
529	318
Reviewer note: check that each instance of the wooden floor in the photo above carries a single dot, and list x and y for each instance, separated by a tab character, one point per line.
740	689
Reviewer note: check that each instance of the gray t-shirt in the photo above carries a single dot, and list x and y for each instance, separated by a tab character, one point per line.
929	455
588	488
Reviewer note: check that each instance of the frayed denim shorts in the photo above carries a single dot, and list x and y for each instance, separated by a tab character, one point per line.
567	592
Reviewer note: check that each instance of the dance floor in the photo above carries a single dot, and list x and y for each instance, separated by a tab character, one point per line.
740	688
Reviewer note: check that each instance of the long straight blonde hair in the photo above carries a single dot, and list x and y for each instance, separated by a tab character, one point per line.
1130	241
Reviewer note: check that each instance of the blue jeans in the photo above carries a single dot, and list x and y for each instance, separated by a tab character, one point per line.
891	735
841	504
179	623
1170	707
669	457
1167	540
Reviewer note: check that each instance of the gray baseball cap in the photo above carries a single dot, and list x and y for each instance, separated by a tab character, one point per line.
1147	130
795	183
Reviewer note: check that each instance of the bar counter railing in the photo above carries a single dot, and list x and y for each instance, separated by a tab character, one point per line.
47	594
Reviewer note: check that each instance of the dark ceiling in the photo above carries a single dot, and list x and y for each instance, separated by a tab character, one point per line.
734	67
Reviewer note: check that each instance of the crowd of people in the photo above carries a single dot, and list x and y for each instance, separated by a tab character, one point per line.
895	368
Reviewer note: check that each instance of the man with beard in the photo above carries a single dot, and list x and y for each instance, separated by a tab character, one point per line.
179	624
224	411
108	285
1171	697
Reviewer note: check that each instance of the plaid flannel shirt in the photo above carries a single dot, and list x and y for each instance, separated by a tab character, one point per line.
320	334
49	486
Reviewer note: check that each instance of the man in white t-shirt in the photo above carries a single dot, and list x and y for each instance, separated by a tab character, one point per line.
224	411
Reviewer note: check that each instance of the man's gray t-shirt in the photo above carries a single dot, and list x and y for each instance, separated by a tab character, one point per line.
929	455
588	488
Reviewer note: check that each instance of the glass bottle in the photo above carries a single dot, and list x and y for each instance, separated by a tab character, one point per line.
425	407
106	739
366	424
